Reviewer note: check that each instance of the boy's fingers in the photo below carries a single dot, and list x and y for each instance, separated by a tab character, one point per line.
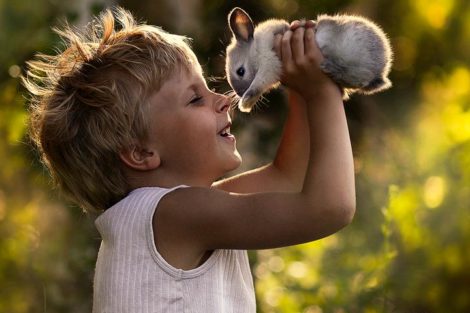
309	23
297	44
311	49
294	25
286	48
277	45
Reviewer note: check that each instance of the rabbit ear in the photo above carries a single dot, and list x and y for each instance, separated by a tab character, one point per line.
241	25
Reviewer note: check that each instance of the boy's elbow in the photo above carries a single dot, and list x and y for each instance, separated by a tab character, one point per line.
335	214
345	214
346	208
339	214
349	213
334	218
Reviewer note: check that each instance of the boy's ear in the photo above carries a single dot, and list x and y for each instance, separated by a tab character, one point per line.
241	25
140	159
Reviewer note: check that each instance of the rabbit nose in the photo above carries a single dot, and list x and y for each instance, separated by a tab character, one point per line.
240	87
240	91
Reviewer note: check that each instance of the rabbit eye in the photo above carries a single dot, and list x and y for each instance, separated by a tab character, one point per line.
241	71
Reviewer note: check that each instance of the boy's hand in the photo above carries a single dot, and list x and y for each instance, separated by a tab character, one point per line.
301	59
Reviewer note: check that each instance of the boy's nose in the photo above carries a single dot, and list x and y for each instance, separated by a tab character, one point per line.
222	103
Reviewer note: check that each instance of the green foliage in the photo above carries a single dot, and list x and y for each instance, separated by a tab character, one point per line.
407	249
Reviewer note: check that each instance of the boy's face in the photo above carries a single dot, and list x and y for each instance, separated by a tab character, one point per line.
187	123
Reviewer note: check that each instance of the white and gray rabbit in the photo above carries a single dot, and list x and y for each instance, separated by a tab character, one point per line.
357	55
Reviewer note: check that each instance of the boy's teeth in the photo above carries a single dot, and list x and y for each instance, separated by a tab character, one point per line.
225	132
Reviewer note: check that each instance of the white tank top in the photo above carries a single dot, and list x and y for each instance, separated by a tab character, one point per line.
132	277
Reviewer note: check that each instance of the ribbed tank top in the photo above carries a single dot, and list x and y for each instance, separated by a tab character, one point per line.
132	277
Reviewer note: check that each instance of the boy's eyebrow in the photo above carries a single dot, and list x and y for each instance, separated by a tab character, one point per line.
196	85
192	86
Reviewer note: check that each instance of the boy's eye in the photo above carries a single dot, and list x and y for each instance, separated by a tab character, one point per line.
196	99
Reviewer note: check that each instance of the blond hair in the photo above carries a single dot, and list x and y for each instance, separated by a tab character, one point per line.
89	101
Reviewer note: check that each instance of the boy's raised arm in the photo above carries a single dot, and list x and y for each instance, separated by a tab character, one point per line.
214	219
287	171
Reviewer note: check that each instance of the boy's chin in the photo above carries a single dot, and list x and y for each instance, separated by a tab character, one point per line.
238	160
234	163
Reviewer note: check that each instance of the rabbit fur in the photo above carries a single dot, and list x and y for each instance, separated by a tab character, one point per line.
357	55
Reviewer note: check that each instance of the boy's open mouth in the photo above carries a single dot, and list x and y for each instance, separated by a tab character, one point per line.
225	132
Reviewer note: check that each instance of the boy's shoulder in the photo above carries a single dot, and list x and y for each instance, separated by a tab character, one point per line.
140	202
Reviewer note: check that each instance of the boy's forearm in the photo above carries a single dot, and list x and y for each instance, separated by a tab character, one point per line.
293	153
330	171
287	171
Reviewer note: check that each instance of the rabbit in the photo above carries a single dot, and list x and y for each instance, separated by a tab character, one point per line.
357	55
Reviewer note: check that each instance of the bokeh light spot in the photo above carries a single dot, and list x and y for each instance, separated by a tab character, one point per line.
434	12
14	71
434	191
297	269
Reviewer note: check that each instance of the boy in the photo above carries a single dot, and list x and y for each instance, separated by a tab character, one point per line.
126	124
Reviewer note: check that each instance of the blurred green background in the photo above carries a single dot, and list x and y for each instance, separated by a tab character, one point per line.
408	249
